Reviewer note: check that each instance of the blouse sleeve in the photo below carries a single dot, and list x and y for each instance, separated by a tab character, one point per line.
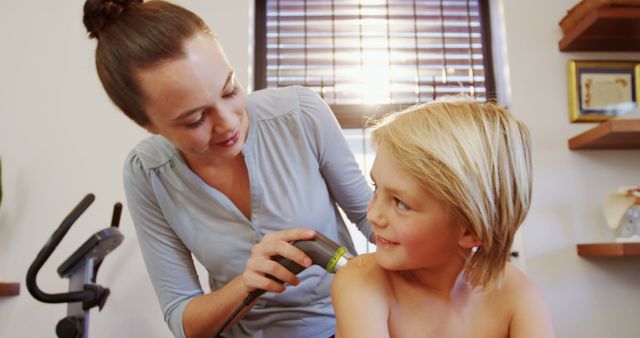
168	261
337	163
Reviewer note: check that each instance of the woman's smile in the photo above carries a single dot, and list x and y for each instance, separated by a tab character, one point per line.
231	141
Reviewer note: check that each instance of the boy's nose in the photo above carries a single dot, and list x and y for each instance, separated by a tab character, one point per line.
375	215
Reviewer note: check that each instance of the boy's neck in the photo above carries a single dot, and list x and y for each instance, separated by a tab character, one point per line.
444	283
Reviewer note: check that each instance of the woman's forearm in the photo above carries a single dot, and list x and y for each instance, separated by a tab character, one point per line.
205	314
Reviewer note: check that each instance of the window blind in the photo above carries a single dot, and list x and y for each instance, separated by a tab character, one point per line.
372	56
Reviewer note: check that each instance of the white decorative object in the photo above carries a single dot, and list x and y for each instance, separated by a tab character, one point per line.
622	213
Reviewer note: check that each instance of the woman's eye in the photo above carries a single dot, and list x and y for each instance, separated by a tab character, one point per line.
401	204
198	123
231	94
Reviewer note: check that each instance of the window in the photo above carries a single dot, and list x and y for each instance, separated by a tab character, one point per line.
368	57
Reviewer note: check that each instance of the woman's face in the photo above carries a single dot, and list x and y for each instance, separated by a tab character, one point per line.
196	102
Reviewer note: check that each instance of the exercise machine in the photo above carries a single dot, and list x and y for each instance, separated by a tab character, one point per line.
81	268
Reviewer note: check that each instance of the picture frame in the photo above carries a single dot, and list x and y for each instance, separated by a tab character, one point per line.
602	90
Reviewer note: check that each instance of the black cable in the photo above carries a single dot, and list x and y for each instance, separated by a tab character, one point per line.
290	265
322	251
245	302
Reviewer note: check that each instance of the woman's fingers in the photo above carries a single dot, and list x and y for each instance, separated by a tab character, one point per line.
290	235
279	243
281	248
257	275
261	265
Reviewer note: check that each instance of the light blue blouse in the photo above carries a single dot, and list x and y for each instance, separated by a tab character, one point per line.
300	171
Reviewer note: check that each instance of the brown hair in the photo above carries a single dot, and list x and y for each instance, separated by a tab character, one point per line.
133	35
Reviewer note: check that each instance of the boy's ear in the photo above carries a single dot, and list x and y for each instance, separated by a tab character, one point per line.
468	240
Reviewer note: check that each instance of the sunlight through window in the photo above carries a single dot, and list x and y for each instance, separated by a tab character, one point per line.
376	52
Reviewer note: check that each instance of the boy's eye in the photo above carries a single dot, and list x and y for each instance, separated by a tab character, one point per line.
197	123
400	204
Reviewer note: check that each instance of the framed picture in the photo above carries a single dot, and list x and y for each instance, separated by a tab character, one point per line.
601	90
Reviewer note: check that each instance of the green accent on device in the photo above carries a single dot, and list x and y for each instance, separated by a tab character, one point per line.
335	258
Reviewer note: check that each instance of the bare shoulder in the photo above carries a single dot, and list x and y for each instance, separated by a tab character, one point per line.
360	294
529	313
517	288
516	284
362	264
361	272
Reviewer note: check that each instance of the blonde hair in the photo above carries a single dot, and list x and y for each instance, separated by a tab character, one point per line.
476	157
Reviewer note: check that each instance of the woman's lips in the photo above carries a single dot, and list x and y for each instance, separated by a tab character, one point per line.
230	141
382	242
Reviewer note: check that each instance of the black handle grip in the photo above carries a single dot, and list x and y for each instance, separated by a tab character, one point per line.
117	211
322	251
45	253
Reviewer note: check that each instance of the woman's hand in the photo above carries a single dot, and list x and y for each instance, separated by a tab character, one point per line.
260	263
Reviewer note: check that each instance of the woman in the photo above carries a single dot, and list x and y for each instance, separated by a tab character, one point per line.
227	177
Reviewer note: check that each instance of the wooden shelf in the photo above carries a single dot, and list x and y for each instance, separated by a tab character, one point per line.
612	134
608	28
9	289
609	249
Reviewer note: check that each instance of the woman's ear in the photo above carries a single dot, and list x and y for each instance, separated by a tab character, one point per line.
151	128
468	239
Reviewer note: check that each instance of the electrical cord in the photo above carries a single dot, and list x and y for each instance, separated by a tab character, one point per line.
322	251
253	295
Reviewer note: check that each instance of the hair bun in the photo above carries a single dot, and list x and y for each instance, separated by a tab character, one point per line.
98	14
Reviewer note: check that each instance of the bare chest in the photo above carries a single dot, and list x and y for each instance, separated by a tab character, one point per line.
234	183
477	317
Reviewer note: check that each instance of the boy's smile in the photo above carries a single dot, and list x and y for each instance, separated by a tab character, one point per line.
382	242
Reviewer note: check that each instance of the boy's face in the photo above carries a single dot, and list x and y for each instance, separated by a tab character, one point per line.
412	229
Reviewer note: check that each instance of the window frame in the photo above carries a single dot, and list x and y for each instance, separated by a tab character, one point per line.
357	115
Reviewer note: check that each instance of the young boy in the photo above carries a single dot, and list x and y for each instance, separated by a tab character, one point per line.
452	185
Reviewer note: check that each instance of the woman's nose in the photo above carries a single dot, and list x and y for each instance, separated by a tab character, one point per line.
224	122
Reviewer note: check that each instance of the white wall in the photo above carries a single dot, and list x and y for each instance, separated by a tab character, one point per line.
60	138
587	297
